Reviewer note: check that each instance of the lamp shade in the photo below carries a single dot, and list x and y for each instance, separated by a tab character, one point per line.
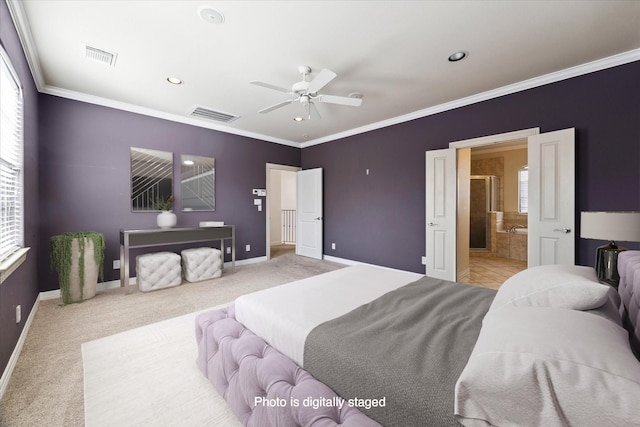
616	226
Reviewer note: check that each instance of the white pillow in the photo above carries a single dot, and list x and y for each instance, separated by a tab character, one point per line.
559	286
549	367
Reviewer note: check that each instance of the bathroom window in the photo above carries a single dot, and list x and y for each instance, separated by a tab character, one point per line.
523	189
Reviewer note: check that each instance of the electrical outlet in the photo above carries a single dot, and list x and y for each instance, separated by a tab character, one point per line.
18	313
424	260
248	248
228	249
116	264
333	246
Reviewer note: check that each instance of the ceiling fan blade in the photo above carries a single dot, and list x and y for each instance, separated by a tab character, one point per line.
276	106
270	86
323	77
342	100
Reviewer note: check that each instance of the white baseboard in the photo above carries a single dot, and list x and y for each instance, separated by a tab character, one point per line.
352	262
54	294
13	360
246	261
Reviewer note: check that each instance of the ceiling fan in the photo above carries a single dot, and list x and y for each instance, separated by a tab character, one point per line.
306	93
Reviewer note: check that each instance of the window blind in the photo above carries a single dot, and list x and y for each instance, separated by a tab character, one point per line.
11	160
523	191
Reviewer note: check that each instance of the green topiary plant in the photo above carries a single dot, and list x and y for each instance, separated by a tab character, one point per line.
60	247
163	205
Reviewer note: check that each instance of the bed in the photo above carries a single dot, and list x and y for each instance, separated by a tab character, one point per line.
366	346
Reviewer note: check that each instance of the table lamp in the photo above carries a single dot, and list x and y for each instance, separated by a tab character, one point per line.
612	226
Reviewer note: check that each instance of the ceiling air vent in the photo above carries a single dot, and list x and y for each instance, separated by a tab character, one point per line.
209	114
100	55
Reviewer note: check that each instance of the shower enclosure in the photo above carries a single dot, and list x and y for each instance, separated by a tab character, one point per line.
484	197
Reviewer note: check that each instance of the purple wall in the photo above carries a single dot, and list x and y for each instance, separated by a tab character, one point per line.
77	172
379	218
85	175
21	288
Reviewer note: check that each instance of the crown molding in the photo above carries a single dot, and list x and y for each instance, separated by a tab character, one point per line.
20	22
590	67
105	102
18	15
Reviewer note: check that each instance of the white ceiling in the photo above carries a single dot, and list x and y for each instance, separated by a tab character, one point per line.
393	52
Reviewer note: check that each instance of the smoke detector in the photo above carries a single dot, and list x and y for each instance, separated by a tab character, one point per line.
211	15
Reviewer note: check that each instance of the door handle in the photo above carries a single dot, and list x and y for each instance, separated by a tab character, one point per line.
318	218
563	230
431	224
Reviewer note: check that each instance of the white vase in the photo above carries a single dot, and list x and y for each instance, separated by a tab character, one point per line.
76	292
167	219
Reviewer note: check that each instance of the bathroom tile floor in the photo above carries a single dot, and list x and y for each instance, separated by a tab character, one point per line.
491	272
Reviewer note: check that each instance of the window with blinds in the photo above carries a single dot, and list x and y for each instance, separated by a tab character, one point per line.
523	189
11	159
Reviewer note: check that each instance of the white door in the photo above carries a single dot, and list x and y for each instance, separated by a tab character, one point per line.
309	200
440	206
552	198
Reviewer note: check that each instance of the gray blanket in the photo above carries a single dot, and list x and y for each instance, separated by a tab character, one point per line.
405	349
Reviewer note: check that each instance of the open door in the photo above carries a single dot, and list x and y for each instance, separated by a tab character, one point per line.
310	223
440	206
552	198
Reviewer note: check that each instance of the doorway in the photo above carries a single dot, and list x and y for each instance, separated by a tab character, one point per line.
496	250
550	219
281	233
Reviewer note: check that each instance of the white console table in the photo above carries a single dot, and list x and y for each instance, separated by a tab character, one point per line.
163	237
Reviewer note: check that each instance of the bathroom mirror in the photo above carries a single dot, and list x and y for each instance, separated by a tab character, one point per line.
197	183
151	178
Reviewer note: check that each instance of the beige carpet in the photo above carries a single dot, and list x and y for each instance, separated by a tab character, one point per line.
46	388
148	377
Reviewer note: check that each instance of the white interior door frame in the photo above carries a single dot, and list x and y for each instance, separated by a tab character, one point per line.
495	139
483	141
270	167
555	152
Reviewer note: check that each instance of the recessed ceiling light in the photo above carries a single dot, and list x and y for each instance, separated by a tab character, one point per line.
188	162
298	119
174	80
458	56
211	15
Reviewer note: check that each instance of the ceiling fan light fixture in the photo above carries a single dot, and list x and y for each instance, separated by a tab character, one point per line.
458	56
307	93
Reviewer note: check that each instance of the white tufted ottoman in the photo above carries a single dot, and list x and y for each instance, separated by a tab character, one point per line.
201	264
158	270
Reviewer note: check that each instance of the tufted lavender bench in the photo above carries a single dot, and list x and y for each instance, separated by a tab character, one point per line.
629	269
260	384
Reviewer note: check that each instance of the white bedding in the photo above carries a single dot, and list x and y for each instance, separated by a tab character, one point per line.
283	316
